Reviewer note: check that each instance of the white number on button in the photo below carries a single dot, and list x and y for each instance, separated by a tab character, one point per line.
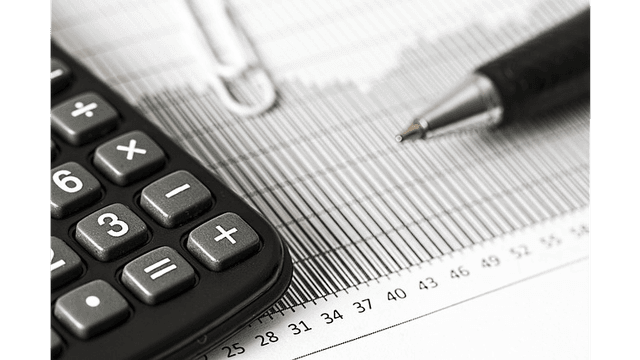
124	228
63	179
57	264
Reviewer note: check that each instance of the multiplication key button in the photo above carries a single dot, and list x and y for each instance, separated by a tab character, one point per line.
175	199
128	158
91	309
158	275
223	242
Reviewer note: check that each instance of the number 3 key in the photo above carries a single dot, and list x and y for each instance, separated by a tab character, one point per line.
111	232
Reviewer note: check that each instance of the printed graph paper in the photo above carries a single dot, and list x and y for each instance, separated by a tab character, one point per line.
323	165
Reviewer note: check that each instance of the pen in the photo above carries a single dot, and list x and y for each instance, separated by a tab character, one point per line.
544	72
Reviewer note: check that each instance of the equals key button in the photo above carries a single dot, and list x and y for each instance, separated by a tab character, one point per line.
158	275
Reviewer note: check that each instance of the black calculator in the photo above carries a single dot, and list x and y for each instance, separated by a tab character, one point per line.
152	256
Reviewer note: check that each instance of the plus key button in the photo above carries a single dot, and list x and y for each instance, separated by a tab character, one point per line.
223	242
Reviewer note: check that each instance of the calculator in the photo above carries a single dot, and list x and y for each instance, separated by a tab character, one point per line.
152	256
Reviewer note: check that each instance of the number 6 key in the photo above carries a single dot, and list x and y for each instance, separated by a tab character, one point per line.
72	188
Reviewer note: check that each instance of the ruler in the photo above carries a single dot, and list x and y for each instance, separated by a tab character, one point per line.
414	294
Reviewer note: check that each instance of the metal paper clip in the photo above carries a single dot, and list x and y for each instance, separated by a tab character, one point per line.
248	64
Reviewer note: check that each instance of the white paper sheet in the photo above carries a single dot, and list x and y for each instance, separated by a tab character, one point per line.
323	165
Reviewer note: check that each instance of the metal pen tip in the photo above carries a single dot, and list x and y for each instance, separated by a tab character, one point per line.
414	131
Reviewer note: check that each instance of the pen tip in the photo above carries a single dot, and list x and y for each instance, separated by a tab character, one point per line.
412	132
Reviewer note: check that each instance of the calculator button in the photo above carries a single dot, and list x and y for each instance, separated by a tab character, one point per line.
56	344
158	275
54	150
91	309
65	263
111	232
60	75
175	199
83	118
128	158
72	188
223	241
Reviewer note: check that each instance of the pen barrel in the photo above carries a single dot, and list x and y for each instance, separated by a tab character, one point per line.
546	71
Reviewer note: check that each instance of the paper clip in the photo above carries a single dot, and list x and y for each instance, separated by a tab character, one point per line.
248	64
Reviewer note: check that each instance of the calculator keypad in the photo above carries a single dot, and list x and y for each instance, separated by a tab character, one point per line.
72	188
83	118
125	201
175	199
111	232
223	241
128	158
91	309
65	263
158	275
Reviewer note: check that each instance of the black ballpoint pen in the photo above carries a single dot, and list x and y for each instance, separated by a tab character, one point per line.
546	71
